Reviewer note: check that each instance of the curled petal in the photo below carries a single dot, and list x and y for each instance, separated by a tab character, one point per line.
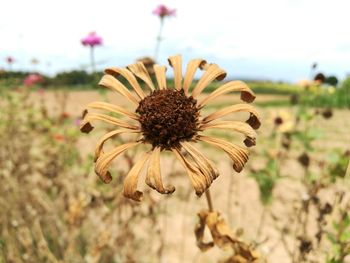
238	154
247	94
129	77
153	177
199	181
104	161
99	147
176	63
160	75
140	71
203	164
112	83
131	180
253	121
190	71
212	72
89	117
113	108
237	126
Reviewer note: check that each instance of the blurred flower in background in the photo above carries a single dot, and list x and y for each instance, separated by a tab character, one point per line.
283	120
162	12
33	79
92	40
10	60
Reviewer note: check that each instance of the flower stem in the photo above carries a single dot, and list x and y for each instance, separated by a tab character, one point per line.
92	59
210	203
159	39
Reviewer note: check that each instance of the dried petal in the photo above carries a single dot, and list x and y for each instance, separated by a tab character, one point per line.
113	108
238	154
129	77
203	164
154	178
253	121
160	76
104	161
89	117
190	71
140	71
112	83
247	94
176	63
99	147
212	72
237	126
131	180
198	180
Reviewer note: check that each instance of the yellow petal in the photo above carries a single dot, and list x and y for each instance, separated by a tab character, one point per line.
131	180
198	180
89	117
99	147
113	108
104	161
140	71
112	83
203	164
238	154
253	121
247	94
176	63
154	178
211	73
237	126
160	76
191	69
129	77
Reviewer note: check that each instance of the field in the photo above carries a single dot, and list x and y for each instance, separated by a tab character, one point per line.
55	209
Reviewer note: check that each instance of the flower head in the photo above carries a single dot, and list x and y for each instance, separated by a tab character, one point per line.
10	60
169	119
163	11
33	79
92	39
283	121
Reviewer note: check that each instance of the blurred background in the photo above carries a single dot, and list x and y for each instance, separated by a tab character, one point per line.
292	201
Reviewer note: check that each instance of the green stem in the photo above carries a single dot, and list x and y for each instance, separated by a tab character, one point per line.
159	39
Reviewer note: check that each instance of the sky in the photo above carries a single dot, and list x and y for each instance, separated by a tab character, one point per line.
252	39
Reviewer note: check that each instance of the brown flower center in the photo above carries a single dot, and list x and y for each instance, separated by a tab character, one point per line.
168	117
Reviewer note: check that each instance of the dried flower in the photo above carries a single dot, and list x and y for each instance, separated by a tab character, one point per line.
168	119
163	11
283	120
149	63
223	237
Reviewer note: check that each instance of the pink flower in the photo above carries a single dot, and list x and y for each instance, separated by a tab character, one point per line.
92	40
33	79
163	11
10	60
